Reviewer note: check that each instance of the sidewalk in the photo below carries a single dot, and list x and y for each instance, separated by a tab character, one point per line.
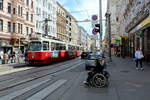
13	67
127	82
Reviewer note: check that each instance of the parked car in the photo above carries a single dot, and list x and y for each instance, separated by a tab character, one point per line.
90	61
84	55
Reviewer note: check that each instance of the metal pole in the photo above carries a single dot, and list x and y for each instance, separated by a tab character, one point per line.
100	22
109	33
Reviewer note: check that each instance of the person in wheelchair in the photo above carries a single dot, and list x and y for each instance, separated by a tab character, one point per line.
98	69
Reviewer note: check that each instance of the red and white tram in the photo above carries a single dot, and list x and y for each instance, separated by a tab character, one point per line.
44	51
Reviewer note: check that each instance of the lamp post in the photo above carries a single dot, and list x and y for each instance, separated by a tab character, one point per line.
109	32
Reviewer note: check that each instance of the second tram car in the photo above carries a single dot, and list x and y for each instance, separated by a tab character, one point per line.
45	51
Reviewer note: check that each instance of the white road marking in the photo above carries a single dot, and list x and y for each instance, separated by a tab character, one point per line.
45	92
19	92
74	66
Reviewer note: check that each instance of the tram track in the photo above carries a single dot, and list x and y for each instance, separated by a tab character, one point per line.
33	70
37	75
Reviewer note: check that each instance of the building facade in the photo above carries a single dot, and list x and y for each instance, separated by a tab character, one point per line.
82	38
61	23
16	24
134	22
46	17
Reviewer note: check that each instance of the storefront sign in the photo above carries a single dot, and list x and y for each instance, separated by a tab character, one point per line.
124	35
145	22
141	25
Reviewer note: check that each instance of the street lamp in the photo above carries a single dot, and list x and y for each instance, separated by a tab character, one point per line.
109	32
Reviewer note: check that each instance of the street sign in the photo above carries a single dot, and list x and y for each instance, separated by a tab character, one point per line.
94	31
94	17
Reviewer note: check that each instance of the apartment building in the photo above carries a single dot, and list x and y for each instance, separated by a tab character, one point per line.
61	23
46	17
134	21
16	24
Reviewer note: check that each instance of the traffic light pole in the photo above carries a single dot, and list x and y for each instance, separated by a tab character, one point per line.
100	22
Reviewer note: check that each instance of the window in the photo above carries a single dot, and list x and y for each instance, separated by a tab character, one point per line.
9	7
69	29
31	4
31	30
21	11
14	10
14	27
27	16
27	30
27	2
49	6
45	45
19	27
9	26
1	25
31	17
1	4
36	24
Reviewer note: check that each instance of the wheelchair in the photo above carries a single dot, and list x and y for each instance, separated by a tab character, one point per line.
98	80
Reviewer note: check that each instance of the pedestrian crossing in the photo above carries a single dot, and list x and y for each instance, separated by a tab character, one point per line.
39	95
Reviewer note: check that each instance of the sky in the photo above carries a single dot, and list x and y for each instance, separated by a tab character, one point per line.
84	9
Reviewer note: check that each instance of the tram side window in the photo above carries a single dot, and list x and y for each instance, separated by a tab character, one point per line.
45	45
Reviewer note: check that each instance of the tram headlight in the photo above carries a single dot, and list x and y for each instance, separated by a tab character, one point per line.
33	55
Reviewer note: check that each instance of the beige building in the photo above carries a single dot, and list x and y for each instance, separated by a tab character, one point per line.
74	31
16	24
61	23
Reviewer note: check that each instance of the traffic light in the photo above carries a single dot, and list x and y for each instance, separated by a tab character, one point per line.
97	28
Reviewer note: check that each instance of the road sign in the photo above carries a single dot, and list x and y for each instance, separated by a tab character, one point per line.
94	17
94	31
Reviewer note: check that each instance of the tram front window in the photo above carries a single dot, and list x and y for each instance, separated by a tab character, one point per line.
35	46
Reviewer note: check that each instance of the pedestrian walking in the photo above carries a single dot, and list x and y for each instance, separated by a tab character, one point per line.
1	57
26	56
138	58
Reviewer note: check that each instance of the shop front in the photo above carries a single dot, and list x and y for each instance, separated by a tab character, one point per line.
125	45
5	50
140	38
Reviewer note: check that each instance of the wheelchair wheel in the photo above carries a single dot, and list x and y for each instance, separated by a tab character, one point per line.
99	80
